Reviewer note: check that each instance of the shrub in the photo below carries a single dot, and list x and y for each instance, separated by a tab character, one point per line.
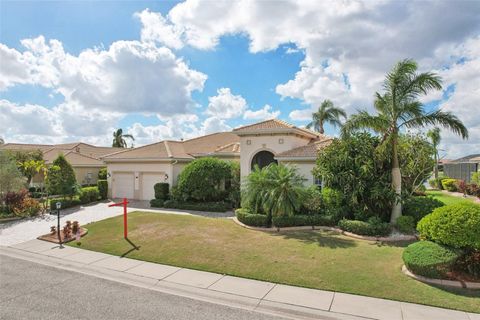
233	185
66	203
161	190
473	190
89	194
372	228
61	177
14	201
449	184
312	204
333	202
156	203
456	225
102	174
197	206
419	207
461	186
406	224
31	207
302	220
475	178
429	259
11	178
102	186
252	219
469	262
203	180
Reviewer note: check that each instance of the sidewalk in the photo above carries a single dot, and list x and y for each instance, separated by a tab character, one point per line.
266	297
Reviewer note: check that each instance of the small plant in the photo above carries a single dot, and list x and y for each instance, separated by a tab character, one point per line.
406	224
161	190
75	227
449	184
53	229
67	232
102	186
156	203
461	186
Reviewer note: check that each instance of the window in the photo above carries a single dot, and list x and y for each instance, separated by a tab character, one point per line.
317	181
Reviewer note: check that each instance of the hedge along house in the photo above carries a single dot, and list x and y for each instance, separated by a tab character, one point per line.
132	173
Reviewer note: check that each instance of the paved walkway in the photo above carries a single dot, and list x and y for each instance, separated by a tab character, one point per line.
244	293
23	230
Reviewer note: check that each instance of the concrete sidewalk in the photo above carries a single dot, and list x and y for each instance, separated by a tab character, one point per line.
266	297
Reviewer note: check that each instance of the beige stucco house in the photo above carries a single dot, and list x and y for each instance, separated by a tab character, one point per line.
132	173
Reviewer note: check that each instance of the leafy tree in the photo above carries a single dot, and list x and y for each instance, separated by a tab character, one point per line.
327	112
102	174
354	167
434	136
28	162
400	108
119	139
233	184
2	141
61	178
275	189
11	178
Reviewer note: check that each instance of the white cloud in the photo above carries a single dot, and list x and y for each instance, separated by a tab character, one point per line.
157	28
214	124
301	115
265	113
226	105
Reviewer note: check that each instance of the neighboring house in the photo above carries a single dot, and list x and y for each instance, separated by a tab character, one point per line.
132	173
84	158
462	168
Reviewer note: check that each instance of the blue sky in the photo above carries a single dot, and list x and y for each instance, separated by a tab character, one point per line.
279	59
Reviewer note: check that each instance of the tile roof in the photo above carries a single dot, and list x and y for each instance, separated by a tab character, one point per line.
469	158
308	151
274	125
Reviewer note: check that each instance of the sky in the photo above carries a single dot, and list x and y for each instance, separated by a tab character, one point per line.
77	70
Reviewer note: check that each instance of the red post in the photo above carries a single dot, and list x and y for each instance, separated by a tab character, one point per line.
125	226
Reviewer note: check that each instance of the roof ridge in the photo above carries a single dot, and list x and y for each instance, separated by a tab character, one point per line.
130	149
208	135
257	123
167	147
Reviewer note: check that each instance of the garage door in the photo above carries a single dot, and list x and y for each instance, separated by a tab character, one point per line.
123	185
148	181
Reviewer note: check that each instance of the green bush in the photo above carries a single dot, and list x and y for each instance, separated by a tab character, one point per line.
102	174
156	203
333	203
61	178
371	228
203	180
456	225
429	259
406	224
66	203
161	190
89	194
419	207
197	206
252	219
449	184
302	220
312	204
102	186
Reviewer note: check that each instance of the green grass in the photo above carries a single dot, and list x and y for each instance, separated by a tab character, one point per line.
321	260
446	198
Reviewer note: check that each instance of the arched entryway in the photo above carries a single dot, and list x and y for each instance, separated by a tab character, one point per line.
263	159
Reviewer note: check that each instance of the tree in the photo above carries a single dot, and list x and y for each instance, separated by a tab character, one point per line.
28	162
275	189
119	139
61	178
434	136
399	108
2	141
327	112
11	178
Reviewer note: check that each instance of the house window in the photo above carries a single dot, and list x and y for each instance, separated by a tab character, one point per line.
263	159
317	181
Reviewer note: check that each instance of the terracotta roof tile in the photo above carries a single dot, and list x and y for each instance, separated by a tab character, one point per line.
274	125
308	151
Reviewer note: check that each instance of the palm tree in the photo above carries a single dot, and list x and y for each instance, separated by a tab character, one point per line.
2	141
327	112
434	136
399	108
119	139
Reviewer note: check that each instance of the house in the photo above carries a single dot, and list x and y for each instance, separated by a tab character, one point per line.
462	168
84	158
132	173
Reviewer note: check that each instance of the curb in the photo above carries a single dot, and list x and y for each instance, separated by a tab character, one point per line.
441	282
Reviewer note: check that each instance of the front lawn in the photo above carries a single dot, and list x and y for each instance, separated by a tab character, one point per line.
446	198
321	260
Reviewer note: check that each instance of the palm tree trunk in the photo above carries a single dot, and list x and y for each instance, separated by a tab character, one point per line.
396	184
320	128
436	165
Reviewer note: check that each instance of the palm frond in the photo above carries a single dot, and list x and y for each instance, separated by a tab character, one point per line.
441	118
363	120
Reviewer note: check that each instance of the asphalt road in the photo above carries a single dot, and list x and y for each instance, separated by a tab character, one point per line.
34	291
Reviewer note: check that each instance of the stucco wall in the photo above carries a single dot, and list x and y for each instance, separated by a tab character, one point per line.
305	169
270	143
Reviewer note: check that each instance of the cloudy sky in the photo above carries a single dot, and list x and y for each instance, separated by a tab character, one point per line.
73	71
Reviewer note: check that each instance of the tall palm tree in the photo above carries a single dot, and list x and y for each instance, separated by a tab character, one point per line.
434	136
327	112
119	139
399	108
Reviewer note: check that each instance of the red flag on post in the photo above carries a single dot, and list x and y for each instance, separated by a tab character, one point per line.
125	225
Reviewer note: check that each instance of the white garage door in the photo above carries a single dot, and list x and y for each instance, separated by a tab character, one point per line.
148	181
123	185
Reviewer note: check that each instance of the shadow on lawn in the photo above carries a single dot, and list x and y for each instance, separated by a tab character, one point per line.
328	239
134	247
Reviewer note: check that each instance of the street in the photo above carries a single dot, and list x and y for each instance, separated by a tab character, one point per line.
34	291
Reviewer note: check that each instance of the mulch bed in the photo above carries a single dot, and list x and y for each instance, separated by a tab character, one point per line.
53	237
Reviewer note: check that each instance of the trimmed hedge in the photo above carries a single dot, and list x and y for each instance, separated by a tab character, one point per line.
156	203
429	259
456	225
406	224
161	190
89	194
419	207
251	219
102	186
449	184
365	228
198	206
302	220
66	203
